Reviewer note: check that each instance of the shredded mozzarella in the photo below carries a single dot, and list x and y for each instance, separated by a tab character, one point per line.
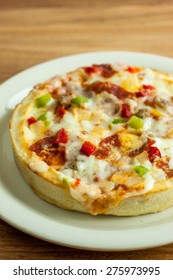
37	165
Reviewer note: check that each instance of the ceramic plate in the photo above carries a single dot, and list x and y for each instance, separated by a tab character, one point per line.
21	208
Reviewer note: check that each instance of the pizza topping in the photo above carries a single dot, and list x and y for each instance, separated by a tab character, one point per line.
42	144
61	137
88	148
104	149
54	157
91	69
153	153
119	120
143	148
37	164
161	164
111	88
77	182
112	140
102	152
79	100
66	183
105	70
141	93
131	83
169	173
141	170
61	112
142	113
31	120
49	142
148	87
136	122
156	113
133	69
64	100
45	150
165	167
160	102
43	117
42	100
126	111
146	90
156	102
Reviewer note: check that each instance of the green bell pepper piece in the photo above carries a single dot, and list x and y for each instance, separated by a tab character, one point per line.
42	100
141	170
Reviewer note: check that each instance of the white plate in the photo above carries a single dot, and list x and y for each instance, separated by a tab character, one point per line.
21	208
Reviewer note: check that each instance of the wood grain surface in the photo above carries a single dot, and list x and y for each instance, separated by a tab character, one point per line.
34	31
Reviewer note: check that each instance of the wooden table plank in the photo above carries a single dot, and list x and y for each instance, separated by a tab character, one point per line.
34	31
17	245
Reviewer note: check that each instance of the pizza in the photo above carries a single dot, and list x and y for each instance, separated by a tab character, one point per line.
99	139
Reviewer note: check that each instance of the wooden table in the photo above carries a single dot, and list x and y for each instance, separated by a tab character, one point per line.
34	31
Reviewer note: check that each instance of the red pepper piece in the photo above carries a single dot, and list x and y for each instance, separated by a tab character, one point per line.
91	69
148	87
145	91
61	111
132	69
153	153
141	93
31	120
88	148
61	137
125	111
77	182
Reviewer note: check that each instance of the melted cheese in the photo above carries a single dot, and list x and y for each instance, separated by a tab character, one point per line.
37	165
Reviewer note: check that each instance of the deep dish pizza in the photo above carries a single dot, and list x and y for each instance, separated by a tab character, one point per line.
99	140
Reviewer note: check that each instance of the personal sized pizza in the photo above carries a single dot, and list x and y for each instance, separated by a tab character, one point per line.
99	140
